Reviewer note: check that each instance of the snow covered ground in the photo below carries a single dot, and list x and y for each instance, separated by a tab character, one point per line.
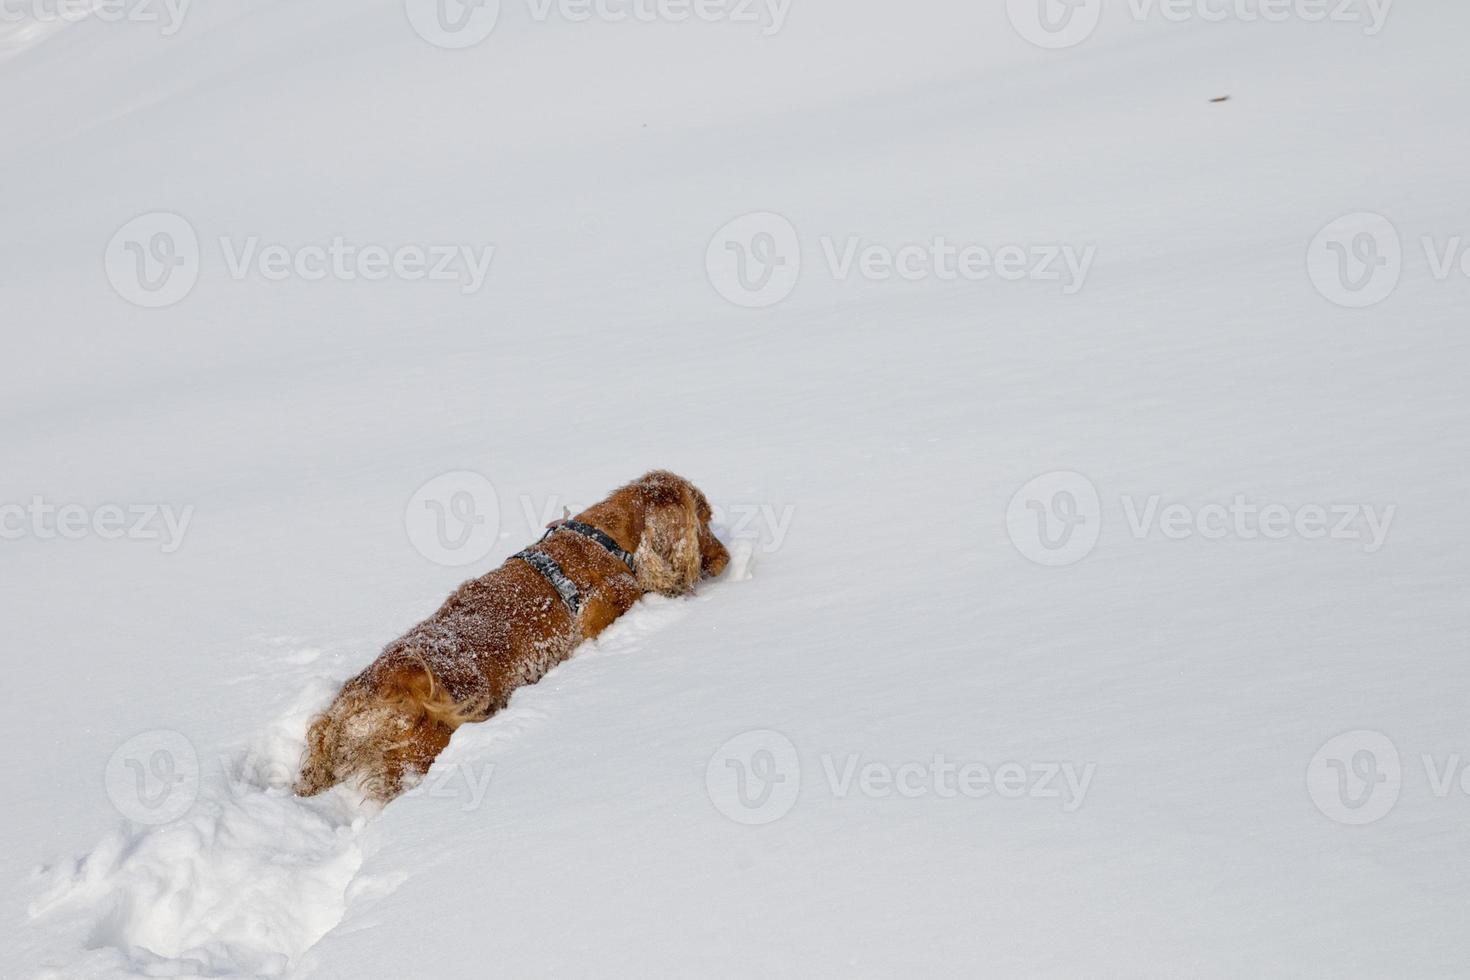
1095	453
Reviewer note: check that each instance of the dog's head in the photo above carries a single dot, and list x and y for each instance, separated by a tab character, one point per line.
385	728
676	546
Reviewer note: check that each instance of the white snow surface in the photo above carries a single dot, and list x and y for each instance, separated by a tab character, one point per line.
888	618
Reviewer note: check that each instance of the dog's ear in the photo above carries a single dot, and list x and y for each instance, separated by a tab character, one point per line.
668	555
677	546
667	558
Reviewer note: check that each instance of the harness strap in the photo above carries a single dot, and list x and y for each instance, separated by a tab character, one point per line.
601	537
552	572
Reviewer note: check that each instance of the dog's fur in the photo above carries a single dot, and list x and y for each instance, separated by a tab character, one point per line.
503	630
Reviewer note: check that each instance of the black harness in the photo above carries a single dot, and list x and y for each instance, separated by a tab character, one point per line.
552	572
601	537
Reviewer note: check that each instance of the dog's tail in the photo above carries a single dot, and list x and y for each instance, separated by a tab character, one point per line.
394	714
421	695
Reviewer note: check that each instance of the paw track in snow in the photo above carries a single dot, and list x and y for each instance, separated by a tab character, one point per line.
251	877
241	884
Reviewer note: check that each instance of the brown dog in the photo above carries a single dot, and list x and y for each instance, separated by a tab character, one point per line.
506	629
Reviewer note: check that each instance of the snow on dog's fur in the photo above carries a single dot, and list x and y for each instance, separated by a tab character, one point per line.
503	630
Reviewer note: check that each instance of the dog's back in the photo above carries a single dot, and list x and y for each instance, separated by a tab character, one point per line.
507	629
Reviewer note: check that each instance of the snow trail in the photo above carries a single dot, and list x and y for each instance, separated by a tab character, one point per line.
249	877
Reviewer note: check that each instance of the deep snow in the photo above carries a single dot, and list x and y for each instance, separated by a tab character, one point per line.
1180	802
